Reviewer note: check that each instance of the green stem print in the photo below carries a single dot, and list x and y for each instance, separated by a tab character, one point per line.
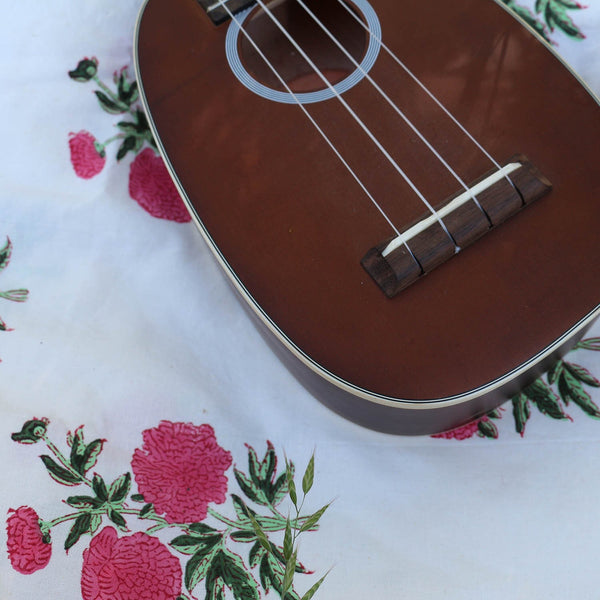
150	184
17	295
179	470
120	101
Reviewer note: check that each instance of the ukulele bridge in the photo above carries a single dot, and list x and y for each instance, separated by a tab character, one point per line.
216	11
399	261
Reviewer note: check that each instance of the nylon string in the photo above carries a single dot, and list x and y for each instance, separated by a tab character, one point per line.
425	89
387	155
394	106
319	129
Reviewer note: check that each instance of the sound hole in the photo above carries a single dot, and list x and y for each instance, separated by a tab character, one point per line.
331	61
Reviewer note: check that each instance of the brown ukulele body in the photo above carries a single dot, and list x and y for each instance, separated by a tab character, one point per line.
290	225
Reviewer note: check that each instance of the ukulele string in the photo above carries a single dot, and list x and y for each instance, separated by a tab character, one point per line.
365	26
320	130
387	155
394	107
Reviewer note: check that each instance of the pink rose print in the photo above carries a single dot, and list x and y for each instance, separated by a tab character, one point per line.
460	433
180	469
137	566
152	188
87	156
27	550
465	431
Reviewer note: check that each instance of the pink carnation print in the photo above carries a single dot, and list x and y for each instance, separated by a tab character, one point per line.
461	433
27	550
181	469
152	188
86	158
137	566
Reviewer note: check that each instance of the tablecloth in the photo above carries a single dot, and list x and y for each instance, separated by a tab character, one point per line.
145	423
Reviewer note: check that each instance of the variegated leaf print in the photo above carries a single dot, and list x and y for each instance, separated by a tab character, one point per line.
15	295
563	386
548	17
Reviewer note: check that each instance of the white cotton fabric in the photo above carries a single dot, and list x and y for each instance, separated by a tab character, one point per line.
130	321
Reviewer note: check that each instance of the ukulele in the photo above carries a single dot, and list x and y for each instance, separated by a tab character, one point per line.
405	194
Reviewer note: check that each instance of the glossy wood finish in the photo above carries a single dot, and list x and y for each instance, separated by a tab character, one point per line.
290	226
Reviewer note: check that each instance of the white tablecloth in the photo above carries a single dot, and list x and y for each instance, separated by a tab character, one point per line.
120	321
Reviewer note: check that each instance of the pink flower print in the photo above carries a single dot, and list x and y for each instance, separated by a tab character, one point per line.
28	549
461	433
152	188
181	469
137	566
87	157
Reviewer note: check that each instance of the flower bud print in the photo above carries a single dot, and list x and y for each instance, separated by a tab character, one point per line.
28	548
87	156
85	70
32	431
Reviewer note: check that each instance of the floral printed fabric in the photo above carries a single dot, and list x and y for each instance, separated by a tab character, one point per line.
190	459
17	295
150	184
114	315
137	566
28	549
180	471
87	158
